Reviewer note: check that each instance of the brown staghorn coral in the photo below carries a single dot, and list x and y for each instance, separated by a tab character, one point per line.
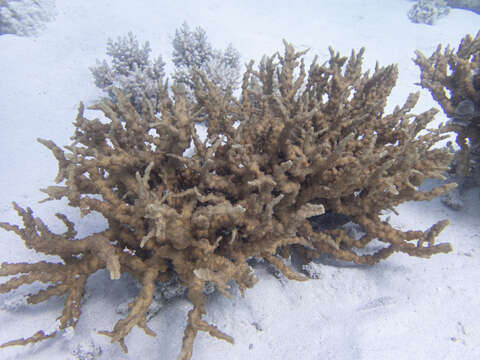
453	79
292	147
452	76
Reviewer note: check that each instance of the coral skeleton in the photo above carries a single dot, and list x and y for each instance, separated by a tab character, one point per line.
192	50
297	144
131	69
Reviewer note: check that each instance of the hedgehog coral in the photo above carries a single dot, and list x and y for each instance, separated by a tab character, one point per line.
294	146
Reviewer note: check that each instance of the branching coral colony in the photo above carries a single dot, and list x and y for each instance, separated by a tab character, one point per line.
453	79
294	145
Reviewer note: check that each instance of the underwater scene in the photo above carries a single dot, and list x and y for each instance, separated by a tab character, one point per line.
239	179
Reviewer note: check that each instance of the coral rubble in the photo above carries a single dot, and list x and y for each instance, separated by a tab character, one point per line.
428	11
297	144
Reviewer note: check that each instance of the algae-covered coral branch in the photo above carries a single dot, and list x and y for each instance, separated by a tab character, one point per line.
296	145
